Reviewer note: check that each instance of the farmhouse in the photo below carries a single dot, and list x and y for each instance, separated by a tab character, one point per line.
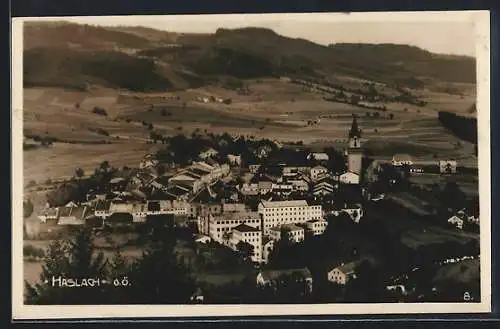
343	273
72	215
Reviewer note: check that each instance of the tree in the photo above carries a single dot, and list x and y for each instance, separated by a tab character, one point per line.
71	258
104	166
159	277
246	249
354	99
391	116
79	172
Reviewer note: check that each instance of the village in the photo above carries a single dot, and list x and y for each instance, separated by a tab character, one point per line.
264	196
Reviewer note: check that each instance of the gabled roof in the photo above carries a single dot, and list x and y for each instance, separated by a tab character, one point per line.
348	268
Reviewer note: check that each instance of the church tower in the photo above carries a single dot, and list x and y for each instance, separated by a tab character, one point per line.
354	151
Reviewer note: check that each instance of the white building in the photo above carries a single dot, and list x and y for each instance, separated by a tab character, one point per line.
208	153
290	171
318	173
349	178
317	227
354	211
216	226
277	213
234	160
299	185
254	168
343	273
295	233
249	189
448	166
318	156
251	235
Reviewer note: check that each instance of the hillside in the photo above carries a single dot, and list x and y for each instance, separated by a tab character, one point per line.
57	54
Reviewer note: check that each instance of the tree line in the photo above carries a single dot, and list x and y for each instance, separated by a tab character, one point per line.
464	128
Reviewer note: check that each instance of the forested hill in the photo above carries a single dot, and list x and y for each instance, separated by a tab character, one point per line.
68	55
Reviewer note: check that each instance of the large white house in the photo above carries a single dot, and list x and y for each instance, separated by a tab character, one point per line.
343	273
277	213
216	226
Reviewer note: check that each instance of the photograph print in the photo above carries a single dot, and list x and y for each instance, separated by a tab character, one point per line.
294	164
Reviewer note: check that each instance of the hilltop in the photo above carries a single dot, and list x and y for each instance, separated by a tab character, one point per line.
57	53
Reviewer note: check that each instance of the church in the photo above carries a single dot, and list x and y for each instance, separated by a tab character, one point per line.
354	154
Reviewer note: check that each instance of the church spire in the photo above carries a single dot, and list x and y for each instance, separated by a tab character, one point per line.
355	131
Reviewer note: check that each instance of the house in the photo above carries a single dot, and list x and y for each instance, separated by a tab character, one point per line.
276	278
349	178
291	171
281	188
250	235
323	187
399	160
265	187
317	226
355	211
343	273
199	238
249	189
263	151
208	153
254	168
448	167
234	160
456	221
295	233
299	185
148	162
318	157
318	172
72	215
102	208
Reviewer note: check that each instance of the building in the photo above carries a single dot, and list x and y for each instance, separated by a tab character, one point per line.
291	171
299	184
343	273
254	168
265	187
316	227
216	226
198	175
318	157
208	153
251	235
49	214
277	213
448	167
349	178
204	239
324	187
456	221
148	162
234	160
275	279
355	211
72	215
354	151
295	233
399	160
282	188
249	189
318	172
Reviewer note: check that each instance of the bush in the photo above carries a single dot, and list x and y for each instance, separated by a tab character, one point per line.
32	252
100	111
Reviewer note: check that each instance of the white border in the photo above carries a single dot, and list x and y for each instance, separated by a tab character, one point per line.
20	311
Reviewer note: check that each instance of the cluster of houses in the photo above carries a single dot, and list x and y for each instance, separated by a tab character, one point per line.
461	218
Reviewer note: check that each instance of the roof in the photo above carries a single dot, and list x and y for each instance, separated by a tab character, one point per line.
320	156
348	268
319	168
246	228
237	215
103	205
273	275
265	184
77	212
117	180
283	204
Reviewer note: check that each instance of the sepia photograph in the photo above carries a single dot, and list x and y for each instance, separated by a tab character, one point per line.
251	164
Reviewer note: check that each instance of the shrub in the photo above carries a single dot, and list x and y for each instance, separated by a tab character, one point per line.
33	252
100	111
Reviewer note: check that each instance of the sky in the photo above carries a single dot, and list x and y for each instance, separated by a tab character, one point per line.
438	32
